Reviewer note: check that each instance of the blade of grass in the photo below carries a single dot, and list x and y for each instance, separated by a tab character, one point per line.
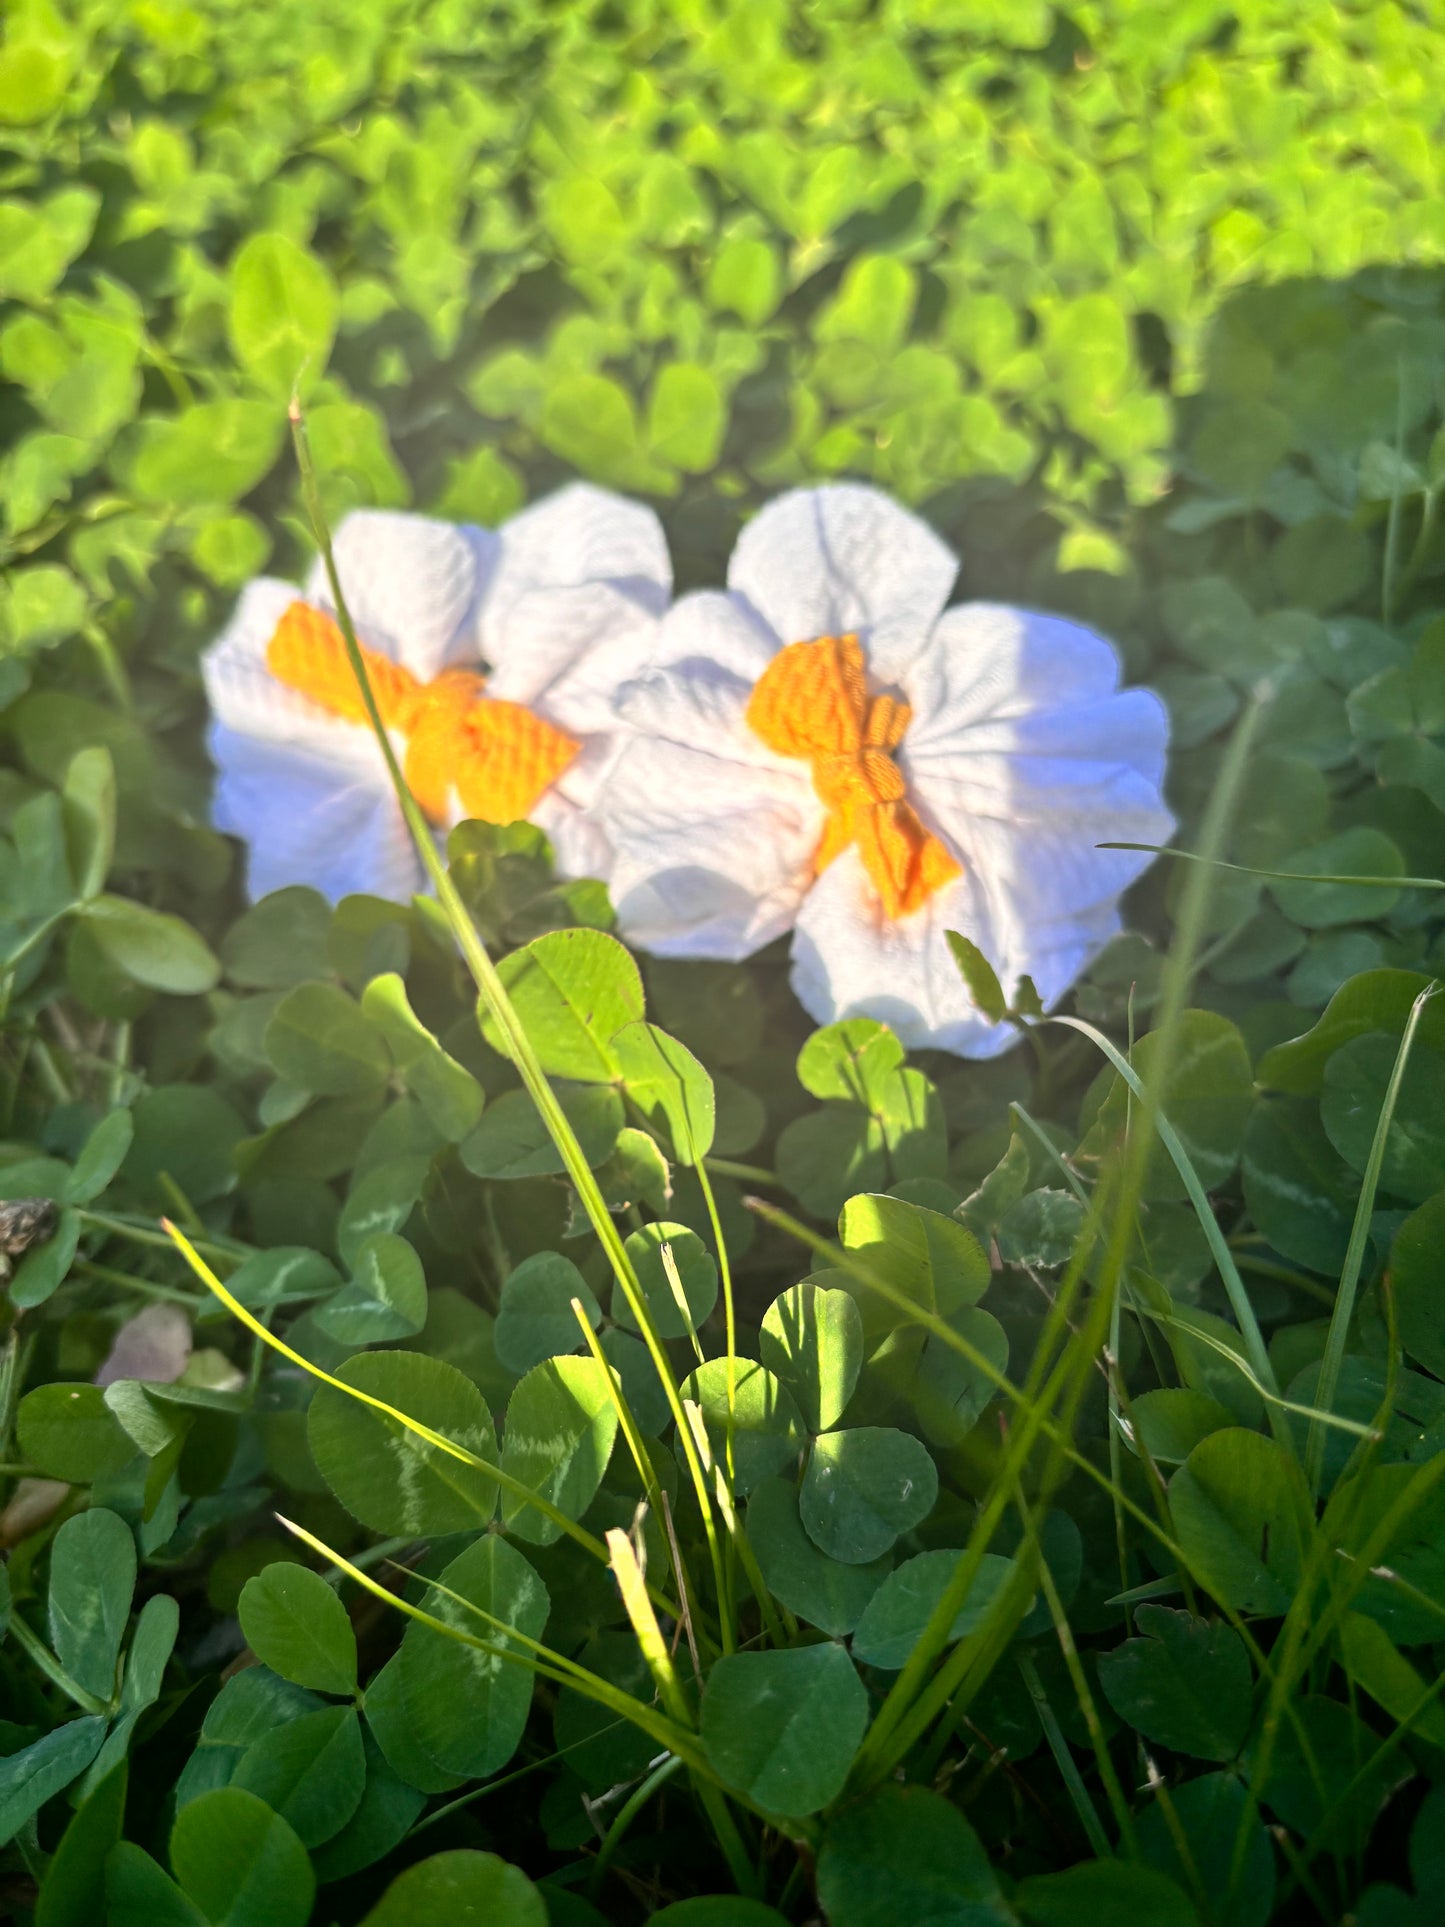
737	1541
1113	1371
837	1257
1111	1221
1063	1632
1279	876
626	1420
935	1634
505	1480
659	1660
1319	1839
638	1607
1428	511
1362	1456
912	1702
538	1659
503	1012
1051	1151
840	1259
1218	1245
1382	1534
1300	1873
463	1800
1339	1331
656	1494
747	1173
1389	573
567	1672
1063	1758
679	1298
474	952
1316	1414
1307	1631
1199	1891
961	1676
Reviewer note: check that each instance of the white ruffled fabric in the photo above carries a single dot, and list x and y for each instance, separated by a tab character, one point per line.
1022	755
571	614
562	603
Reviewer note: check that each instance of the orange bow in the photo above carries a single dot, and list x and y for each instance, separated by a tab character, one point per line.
498	757
812	701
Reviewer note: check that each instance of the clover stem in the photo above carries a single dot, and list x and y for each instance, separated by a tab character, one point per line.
40	1653
629	1811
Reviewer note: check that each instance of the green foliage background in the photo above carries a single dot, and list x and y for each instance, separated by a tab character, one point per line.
1142	306
970	251
696	251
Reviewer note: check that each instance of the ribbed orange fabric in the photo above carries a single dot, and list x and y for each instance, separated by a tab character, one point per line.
812	701
498	757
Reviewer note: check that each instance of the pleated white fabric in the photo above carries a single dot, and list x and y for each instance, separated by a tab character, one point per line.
570	615
1022	755
561	604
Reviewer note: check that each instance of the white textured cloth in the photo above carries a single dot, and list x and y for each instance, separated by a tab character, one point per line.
1021	756
562	603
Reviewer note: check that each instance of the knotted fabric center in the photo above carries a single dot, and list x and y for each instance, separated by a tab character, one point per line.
497	756
812	701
